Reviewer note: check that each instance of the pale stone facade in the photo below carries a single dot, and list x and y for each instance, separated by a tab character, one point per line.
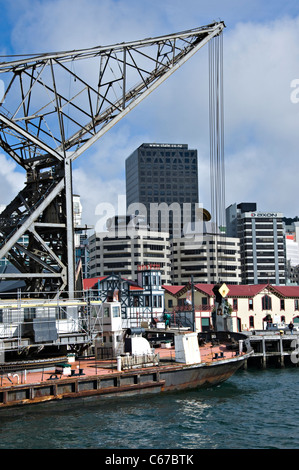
251	306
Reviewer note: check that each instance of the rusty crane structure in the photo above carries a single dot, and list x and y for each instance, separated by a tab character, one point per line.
55	106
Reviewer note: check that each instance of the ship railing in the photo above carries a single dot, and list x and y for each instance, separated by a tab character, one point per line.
182	318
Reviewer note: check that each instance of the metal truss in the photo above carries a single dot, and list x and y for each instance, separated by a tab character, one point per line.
55	106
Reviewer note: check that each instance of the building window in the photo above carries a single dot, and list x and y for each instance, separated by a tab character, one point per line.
282	306
115	312
106	312
296	306
29	313
251	321
266	303
268	319
250	304
60	313
205	324
170	303
235	304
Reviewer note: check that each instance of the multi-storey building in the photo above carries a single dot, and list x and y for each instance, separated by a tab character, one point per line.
164	175
213	259
291	227
262	243
118	252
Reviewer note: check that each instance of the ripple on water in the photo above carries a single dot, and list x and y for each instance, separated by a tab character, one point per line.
253	409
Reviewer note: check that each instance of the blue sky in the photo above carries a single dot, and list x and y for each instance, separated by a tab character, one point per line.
261	58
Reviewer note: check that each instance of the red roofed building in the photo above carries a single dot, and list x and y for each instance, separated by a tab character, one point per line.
251	306
92	282
140	301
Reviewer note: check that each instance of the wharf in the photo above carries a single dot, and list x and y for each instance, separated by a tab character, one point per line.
273	348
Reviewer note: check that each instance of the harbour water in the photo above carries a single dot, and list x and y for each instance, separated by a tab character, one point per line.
254	409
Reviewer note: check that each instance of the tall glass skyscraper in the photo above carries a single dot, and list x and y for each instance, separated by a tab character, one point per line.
164	174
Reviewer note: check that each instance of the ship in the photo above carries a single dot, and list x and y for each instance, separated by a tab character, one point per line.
154	360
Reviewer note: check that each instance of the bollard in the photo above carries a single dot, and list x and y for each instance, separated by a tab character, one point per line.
18	378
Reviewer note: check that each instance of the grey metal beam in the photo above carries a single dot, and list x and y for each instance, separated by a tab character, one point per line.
29	221
66	56
12	125
4	276
70	227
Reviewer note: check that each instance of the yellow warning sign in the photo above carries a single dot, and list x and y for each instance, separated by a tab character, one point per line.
224	290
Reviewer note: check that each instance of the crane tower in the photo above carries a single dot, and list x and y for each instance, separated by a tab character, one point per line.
55	106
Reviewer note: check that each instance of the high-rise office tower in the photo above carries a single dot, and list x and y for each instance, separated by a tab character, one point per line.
262	243
164	175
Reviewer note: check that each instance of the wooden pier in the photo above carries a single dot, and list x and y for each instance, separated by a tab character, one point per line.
278	349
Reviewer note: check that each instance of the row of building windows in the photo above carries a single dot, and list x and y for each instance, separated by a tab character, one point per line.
214	276
30	313
266	303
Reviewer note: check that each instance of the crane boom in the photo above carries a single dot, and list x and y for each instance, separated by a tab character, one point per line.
55	106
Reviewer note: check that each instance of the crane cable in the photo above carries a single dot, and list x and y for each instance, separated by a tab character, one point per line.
216	126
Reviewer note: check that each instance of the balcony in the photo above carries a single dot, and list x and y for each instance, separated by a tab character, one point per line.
188	307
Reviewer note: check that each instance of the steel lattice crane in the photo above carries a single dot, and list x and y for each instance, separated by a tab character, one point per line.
55	106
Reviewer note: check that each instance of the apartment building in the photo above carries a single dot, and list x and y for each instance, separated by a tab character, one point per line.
212	259
119	252
262	243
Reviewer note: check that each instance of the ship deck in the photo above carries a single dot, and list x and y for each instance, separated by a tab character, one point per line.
90	366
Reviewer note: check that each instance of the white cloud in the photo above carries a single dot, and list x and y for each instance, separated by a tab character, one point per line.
12	181
261	121
99	175
94	191
75	24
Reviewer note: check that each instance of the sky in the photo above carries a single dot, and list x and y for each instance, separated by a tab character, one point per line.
261	103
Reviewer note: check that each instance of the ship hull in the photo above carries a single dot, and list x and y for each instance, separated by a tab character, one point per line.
169	377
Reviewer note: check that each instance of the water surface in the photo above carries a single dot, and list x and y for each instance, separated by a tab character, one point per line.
254	409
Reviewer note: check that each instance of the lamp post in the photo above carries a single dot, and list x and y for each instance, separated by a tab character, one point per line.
192	300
